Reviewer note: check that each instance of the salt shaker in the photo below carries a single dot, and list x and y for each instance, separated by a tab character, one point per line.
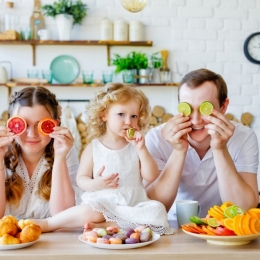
135	31
120	30
106	30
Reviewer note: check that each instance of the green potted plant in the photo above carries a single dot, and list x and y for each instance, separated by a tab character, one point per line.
66	13
135	64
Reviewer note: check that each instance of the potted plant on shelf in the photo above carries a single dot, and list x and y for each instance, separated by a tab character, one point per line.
66	13
134	67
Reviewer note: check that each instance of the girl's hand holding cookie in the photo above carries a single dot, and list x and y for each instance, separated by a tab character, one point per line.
135	138
6	137
63	140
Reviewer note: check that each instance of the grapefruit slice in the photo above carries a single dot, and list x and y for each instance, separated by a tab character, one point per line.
46	125
17	124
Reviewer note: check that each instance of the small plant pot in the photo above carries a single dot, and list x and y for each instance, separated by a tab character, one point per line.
144	76
64	24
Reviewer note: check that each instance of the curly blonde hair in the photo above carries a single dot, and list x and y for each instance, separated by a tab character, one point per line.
14	185
115	93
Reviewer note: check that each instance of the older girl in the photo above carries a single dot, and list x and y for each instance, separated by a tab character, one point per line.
37	172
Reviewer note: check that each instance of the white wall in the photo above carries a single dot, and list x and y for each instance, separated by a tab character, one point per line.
204	33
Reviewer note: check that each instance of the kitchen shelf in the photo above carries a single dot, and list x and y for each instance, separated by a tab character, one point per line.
108	44
10	85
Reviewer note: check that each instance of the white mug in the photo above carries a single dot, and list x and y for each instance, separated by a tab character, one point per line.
44	34
186	209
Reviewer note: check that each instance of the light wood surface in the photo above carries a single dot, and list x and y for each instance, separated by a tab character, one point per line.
65	245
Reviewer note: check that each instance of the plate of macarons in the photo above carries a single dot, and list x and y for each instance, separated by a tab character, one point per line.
115	238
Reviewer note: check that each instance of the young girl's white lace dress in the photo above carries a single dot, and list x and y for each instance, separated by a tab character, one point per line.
128	205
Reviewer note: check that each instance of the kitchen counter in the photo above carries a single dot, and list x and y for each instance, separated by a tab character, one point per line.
64	244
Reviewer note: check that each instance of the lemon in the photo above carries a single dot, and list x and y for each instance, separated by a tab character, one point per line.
184	108
229	213
213	222
206	108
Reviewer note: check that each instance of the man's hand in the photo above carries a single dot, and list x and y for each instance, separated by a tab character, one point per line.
175	132
219	128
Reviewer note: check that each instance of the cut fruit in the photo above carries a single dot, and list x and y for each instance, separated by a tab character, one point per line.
245	224
130	133
229	223
226	205
17	124
213	222
46	125
184	108
228	213
206	108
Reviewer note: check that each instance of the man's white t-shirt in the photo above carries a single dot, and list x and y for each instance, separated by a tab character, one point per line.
199	178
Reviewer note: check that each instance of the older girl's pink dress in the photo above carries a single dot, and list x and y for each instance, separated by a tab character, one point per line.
128	205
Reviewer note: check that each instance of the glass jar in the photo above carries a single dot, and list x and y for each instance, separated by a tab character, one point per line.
120	30
9	16
106	30
135	31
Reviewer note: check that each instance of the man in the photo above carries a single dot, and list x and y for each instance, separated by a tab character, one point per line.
204	158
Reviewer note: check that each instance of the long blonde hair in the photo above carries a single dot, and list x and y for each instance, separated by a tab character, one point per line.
14	186
115	93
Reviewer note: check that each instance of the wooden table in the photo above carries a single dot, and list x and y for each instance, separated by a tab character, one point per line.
64	245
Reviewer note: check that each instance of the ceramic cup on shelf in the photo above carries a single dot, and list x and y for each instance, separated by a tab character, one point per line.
44	34
87	76
186	209
47	74
107	76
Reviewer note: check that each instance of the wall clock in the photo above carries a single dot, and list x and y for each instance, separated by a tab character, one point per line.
252	48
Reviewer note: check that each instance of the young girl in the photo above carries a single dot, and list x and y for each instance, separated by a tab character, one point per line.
112	167
37	172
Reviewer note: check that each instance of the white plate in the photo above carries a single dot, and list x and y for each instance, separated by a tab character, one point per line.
122	246
225	240
16	246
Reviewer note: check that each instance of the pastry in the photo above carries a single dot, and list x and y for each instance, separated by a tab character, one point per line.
9	240
29	233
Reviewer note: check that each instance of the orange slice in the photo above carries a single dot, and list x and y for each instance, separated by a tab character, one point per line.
237	225
245	224
254	225
254	212
229	223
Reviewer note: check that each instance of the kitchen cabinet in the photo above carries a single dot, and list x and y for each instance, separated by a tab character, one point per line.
107	44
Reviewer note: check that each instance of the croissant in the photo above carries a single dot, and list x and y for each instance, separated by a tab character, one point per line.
8	228
22	223
29	233
10	219
8	240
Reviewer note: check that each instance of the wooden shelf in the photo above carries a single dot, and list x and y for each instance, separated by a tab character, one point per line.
108	44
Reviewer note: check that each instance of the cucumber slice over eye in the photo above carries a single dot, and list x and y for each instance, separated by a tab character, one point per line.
184	108
206	108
